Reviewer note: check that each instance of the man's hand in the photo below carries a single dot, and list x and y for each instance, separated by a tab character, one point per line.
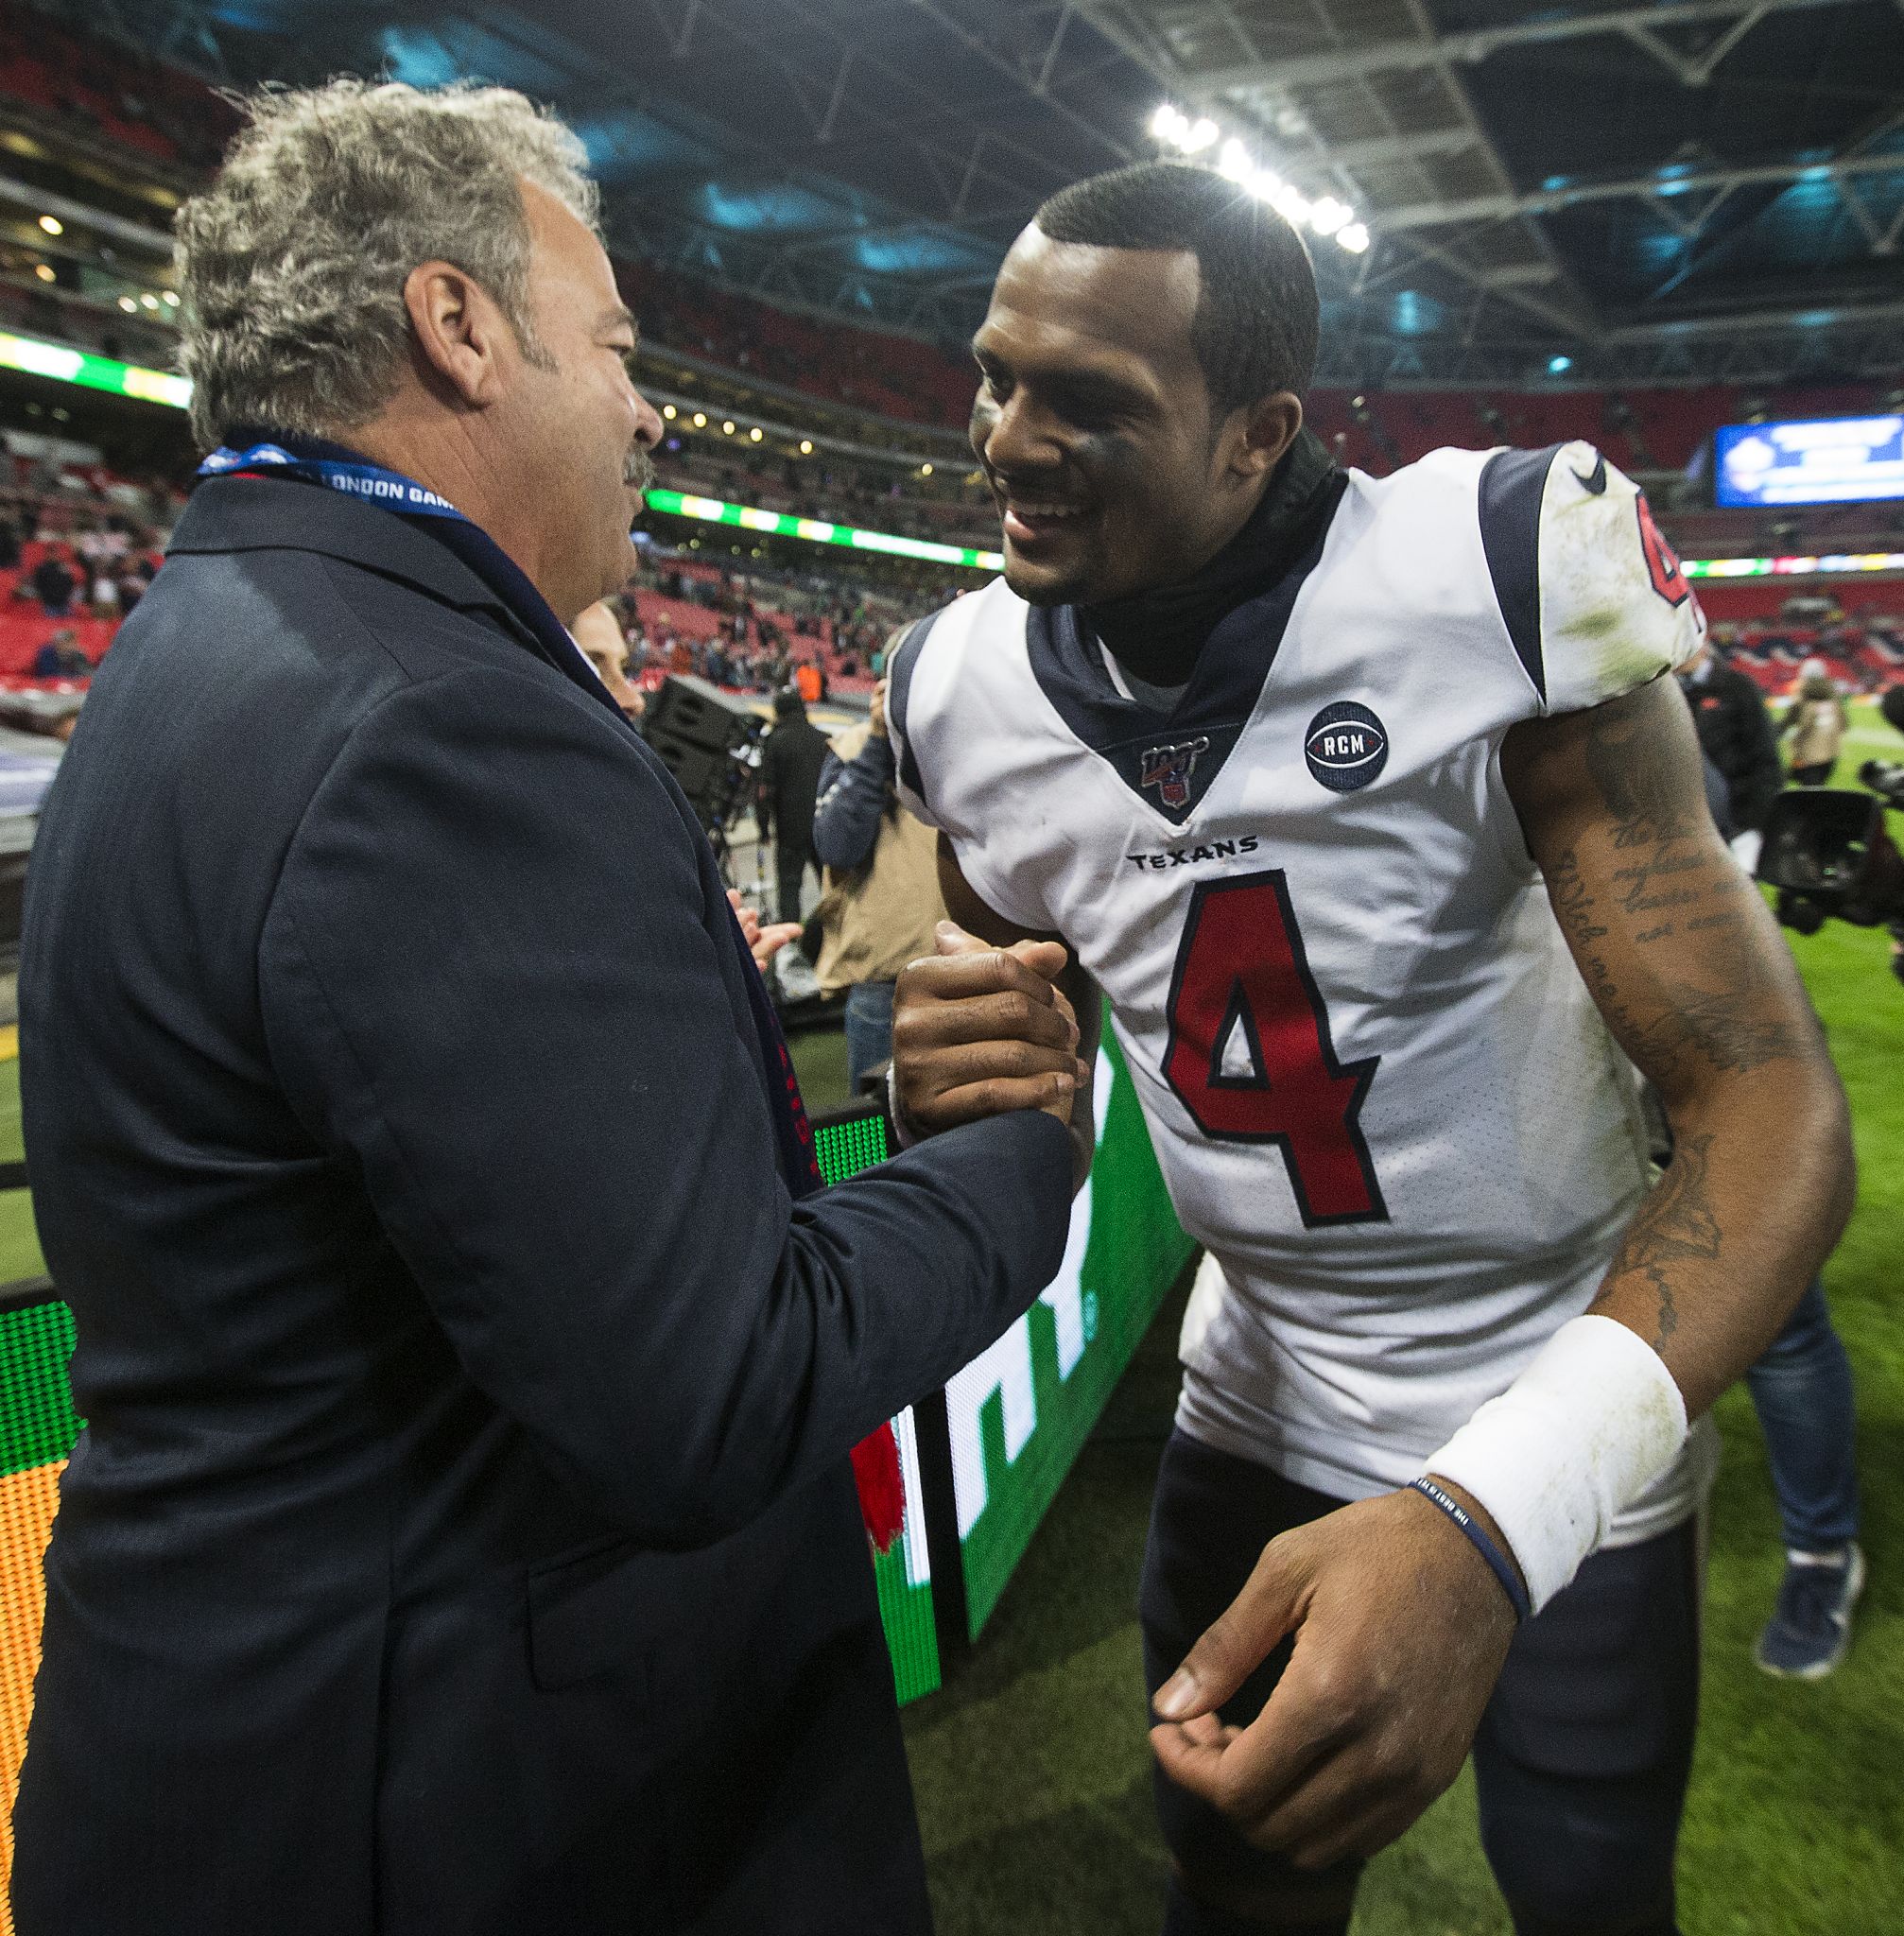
877	717
977	1031
1401	1629
763	944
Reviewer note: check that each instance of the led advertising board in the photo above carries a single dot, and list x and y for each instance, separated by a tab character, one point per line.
1825	460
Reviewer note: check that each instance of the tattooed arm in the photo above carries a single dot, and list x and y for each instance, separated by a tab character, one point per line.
1687	966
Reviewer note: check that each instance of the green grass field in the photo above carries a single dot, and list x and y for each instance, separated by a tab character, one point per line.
1033	1767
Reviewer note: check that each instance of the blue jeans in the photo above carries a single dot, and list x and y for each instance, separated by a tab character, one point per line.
1801	1389
869	1028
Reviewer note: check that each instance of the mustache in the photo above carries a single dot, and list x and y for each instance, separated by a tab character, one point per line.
638	471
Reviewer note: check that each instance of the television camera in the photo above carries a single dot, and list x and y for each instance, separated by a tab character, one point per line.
1828	852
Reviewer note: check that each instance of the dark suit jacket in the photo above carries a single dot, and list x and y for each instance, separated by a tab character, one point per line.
462	1538
790	762
1736	735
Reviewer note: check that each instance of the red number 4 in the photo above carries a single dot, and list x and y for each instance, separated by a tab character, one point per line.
1249	1053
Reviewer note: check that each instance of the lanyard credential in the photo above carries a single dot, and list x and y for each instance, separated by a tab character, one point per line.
371	482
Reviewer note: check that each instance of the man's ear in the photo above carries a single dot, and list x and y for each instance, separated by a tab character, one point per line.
462	339
1268	427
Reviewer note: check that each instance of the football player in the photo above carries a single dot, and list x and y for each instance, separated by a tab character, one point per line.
1368	805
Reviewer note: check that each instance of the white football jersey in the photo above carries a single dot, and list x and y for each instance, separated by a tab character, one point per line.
1378	1088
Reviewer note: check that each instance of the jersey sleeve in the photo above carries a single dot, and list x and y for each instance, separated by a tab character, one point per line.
1594	601
944	753
902	663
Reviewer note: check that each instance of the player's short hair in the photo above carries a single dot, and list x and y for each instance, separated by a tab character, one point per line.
291	264
1257	318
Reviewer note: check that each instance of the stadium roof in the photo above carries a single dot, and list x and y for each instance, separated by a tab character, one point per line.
1600	191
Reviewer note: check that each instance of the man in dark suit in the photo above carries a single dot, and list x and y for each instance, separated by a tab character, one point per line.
790	763
463	1537
1735	737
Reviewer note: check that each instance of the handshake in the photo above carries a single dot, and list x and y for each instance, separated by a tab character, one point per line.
979	1029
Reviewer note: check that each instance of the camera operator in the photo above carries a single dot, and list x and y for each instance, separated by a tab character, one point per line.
1817	722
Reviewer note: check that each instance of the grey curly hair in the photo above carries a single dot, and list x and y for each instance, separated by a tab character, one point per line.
292	265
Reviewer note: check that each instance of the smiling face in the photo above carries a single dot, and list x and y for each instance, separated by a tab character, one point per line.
581	430
1094	426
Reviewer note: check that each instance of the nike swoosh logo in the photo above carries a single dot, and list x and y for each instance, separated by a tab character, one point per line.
1594	482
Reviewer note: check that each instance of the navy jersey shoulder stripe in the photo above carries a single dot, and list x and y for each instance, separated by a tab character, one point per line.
900	662
1512	485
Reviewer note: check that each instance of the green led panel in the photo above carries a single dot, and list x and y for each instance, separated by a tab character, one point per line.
38	359
773	523
844	1149
37	1421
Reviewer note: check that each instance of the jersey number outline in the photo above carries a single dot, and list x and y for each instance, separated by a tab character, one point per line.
1241	966
1662	564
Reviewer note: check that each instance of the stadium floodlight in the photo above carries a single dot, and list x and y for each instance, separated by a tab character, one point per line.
53	225
45	272
169	297
701	419
806	446
753	435
1200	137
1235	162
1355	237
1330	215
1171	124
1292	205
713	510
127	304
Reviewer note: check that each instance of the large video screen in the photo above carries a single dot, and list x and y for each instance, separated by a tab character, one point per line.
1825	460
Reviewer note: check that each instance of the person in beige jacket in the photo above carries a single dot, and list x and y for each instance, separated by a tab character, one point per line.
1817	724
881	903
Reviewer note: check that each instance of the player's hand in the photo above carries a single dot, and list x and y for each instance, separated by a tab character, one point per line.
977	1031
1400	1629
763	944
878	715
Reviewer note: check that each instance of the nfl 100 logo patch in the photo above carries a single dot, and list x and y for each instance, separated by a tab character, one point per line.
1169	769
1346	747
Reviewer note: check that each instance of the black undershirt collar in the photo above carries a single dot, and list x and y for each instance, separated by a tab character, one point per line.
1155	635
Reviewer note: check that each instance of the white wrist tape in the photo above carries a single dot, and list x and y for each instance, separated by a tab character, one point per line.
1583	1430
901	1135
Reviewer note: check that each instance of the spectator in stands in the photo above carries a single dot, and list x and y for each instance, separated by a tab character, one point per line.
60	657
462	1536
790	763
882	904
53	585
597	631
1817	724
1736	735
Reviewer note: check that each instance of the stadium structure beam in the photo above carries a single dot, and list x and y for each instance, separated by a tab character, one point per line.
1138	41
1478	208
1400	56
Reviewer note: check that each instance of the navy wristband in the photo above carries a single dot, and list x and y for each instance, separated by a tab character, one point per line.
1503	1570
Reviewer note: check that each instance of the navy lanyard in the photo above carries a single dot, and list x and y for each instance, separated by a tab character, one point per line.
372	482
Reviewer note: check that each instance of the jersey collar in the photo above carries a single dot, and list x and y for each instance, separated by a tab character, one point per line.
1170	760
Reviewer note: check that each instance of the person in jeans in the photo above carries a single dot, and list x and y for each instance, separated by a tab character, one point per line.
1801	1389
882	900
